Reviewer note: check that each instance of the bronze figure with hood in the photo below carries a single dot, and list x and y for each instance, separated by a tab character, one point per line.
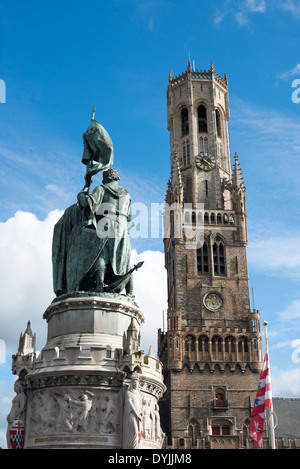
91	247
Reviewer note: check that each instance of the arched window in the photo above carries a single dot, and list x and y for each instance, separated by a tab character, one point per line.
194	431
219	257
202	119
218	123
229	344
202	260
216	344
190	343
220	400
184	122
203	343
243	345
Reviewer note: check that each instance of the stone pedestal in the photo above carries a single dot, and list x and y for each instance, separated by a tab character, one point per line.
76	386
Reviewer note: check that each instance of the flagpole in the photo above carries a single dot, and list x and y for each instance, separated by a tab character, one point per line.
270	420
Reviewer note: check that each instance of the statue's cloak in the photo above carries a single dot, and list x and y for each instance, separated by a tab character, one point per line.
80	238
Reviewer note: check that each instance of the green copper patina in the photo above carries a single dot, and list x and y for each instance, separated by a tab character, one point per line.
91	247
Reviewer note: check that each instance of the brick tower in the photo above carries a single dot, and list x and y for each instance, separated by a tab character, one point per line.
211	351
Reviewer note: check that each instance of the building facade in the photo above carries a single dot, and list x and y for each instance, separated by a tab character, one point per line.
212	349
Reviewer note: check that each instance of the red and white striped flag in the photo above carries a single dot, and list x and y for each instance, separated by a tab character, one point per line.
262	401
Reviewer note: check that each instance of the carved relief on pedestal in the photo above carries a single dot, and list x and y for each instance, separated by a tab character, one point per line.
55	411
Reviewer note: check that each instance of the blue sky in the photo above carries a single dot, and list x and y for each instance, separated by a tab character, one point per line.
58	59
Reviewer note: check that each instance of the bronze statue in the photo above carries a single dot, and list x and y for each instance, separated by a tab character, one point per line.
91	248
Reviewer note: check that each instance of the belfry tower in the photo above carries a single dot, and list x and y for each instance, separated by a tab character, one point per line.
211	352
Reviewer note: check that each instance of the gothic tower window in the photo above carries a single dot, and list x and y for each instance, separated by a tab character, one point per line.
219	257
218	123
194	431
190	343
184	122
203	145
229	345
202	260
216	344
203	343
202	119
186	156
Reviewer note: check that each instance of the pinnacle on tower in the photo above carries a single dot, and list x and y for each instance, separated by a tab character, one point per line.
176	178
27	341
237	177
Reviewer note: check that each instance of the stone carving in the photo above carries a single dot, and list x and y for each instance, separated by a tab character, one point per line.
55	411
147	419
157	431
18	403
16	419
151	420
132	416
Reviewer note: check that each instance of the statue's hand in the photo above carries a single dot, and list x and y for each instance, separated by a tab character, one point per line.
88	179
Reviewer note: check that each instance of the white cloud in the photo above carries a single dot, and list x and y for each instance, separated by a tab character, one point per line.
150	287
26	274
291	6
291	73
290	316
256	6
275	255
240	10
285	382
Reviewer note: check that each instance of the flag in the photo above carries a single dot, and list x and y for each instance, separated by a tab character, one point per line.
262	401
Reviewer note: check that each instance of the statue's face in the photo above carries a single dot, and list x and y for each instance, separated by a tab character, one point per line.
110	175
134	384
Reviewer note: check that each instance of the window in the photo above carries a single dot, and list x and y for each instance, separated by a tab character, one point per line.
186	154
218	123
202	260
220	430
203	145
193	431
216	344
202	119
219	257
184	122
203	343
229	345
220	400
190	343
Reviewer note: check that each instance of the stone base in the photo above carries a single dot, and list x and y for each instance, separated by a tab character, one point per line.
76	389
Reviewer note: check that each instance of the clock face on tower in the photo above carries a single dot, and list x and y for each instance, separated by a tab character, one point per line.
213	301
205	161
